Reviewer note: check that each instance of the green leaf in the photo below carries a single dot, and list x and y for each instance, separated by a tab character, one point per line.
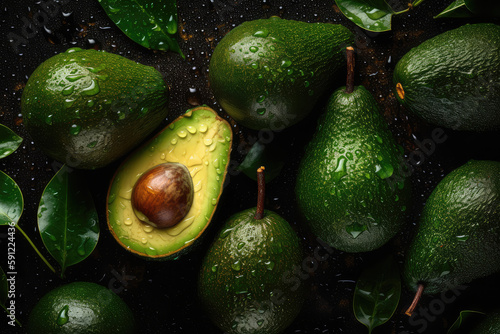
455	9
484	8
377	293
11	200
67	218
4	287
263	155
372	15
461	318
150	23
9	141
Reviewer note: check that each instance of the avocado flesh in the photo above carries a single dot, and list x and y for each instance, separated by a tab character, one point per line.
201	141
269	73
243	281
457	237
451	80
87	108
350	186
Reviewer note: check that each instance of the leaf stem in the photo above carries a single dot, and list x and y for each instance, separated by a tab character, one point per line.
349	88
416	3
415	301
36	249
261	193
403	11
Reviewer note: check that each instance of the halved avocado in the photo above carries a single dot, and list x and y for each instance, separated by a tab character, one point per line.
201	141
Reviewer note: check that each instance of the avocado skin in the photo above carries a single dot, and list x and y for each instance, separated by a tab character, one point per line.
294	64
451	80
130	103
457	237
261	291
338	205
489	325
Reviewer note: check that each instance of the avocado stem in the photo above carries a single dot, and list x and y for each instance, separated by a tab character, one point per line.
416	299
349	87
261	193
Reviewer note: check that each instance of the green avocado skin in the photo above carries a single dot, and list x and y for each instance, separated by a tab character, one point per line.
452	80
87	108
269	73
457	237
489	325
350	185
246	282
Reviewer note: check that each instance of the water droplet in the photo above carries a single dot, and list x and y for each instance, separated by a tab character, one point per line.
396	198
182	133
81	248
225	233
384	170
208	141
403	208
376	14
241	245
202	128
128	221
111	198
254	65
214	201
68	90
462	238
92	144
75	129
90	103
74	77
91	90
355	229
306	83
48	119
253	49
379	139
261	98
68	103
147	228
261	111
173	141
214	268
51	236
236	265
340	171
63	317
269	265
286	63
325	203
261	33
260	322
191	129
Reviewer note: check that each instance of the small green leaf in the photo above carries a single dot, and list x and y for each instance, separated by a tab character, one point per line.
377	293
371	15
4	287
11	200
9	141
455	9
484	8
461	318
150	23
67	218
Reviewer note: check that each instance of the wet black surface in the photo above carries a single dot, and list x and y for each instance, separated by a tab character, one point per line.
162	294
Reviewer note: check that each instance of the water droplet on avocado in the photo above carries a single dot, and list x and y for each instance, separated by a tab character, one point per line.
48	119
340	171
379	139
103	77
253	49
355	229
225	233
92	144
68	90
261	33
254	65
173	141
111	198
71	50
260	98
236	265
241	245
208	141
191	129
261	111
384	170
214	268
75	129
214	201
63	317
260	322
68	103
202	128
306	83
128	221
147	228
74	77
182	133
269	265
462	238
286	63
90	103
91	90
403	208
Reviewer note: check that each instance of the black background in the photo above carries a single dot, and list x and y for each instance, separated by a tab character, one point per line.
163	294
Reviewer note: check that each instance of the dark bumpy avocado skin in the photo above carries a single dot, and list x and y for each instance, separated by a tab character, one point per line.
349	185
452	80
269	73
457	238
87	108
245	283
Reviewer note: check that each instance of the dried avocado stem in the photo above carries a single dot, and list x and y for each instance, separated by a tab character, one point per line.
418	294
261	193
349	87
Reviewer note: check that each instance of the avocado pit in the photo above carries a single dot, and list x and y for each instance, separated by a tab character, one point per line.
163	195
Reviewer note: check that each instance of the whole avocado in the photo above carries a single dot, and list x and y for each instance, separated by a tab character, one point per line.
269	73
87	108
451	80
457	236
